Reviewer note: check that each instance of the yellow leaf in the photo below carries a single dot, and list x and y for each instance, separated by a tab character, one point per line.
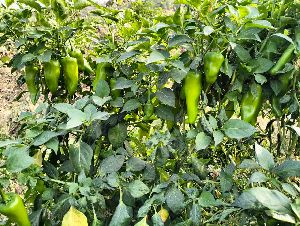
74	218
38	158
164	214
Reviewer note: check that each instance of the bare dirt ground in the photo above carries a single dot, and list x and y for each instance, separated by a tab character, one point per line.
9	107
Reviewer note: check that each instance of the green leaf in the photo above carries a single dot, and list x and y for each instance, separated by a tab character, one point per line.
296	129
284	37
100	101
272	199
260	78
144	209
238	129
290	189
242	53
142	222
178	40
45	137
127	55
248	164
81	4
281	216
166	96
8	142
81	156
45	57
159	26
63	107
218	137
164	112
264	157
123	83
112	163
18	160
258	177
226	178
77	117
135	164
207	30
100	116
202	141
156	220
195	214
53	144
122	215
206	199
289	168
175	200
260	24
27	57
131	105
138	189
154	57
296	207
102	89
177	74
260	65
117	134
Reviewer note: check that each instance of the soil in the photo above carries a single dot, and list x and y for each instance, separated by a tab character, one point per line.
11	108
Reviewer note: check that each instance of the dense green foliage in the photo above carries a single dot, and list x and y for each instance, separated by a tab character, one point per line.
154	119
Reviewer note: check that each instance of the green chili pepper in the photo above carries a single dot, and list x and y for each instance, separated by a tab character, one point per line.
87	67
297	37
102	70
192	90
52	74
148	110
285	58
251	105
276	107
30	79
13	207
229	109
70	68
212	64
114	92
284	82
80	59
59	9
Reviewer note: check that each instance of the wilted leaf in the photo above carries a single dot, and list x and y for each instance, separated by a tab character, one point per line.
74	218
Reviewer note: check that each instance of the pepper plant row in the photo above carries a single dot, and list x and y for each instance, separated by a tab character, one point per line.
149	115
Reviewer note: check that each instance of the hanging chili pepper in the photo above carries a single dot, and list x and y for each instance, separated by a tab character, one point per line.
148	110
87	67
102	70
114	92
13	207
251	105
229	109
276	107
70	68
212	64
52	74
192	90
30	79
80	59
285	58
